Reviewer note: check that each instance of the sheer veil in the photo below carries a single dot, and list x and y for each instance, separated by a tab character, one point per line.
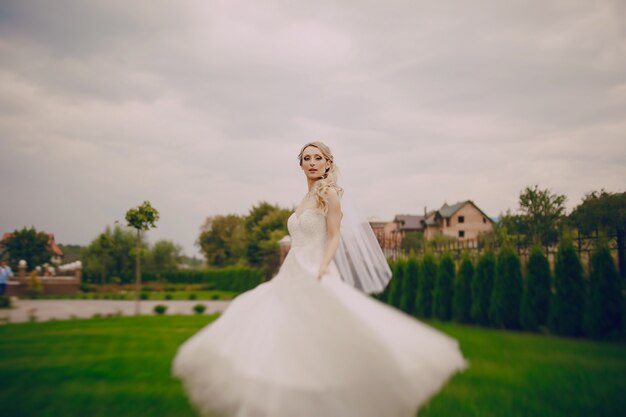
359	258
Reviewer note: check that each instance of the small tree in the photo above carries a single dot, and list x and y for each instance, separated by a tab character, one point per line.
141	218
462	302
603	316
116	259
442	302
409	290
605	212
568	298
164	256
536	298
105	244
425	287
543	212
223	240
28	244
507	291
482	286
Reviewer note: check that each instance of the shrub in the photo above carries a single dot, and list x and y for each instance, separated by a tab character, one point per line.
35	286
409	289
160	309
215	296
536	298
567	300
5	301
425	287
506	296
236	279
168	296
462	301
603	316
199	308
144	295
481	287
192	296
442	299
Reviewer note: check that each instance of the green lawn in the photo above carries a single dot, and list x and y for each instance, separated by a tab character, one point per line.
119	367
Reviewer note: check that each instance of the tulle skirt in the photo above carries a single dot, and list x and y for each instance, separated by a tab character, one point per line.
307	348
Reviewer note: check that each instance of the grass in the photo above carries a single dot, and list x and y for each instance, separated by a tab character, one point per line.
121	367
524	374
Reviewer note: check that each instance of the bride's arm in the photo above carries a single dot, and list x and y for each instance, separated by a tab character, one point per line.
333	221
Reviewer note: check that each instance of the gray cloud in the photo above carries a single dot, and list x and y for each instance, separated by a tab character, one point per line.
201	107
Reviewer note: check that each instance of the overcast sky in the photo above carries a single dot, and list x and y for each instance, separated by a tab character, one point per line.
201	107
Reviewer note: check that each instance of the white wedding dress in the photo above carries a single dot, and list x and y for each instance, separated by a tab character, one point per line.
297	346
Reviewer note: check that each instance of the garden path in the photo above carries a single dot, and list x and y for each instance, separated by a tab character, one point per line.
44	310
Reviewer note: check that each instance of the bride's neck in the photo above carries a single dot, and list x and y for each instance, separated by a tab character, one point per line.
311	183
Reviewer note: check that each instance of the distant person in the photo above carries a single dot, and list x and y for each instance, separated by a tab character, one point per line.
5	274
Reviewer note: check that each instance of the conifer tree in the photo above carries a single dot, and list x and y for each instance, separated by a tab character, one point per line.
426	286
603	316
462	302
397	283
409	289
567	300
442	300
536	298
482	286
506	296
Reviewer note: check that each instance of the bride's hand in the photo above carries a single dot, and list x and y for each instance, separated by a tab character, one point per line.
322	272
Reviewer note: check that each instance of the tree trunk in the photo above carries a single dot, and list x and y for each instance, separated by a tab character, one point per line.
137	275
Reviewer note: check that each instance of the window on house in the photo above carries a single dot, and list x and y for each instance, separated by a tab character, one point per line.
484	220
448	221
461	233
461	219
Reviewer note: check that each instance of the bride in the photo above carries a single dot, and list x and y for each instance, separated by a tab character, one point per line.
310	344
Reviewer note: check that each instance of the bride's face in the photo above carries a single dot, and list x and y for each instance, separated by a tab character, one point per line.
314	164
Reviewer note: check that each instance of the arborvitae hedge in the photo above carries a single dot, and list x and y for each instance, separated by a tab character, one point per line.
397	282
567	300
462	302
506	297
442	300
409	289
482	286
536	298
603	316
426	286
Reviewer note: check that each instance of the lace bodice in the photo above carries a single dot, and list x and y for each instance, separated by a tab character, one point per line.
308	242
308	229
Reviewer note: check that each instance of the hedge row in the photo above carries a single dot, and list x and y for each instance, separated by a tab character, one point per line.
494	291
237	279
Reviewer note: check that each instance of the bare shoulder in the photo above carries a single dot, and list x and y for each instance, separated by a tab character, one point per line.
331	195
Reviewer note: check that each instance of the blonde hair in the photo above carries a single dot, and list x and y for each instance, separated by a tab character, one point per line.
328	181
